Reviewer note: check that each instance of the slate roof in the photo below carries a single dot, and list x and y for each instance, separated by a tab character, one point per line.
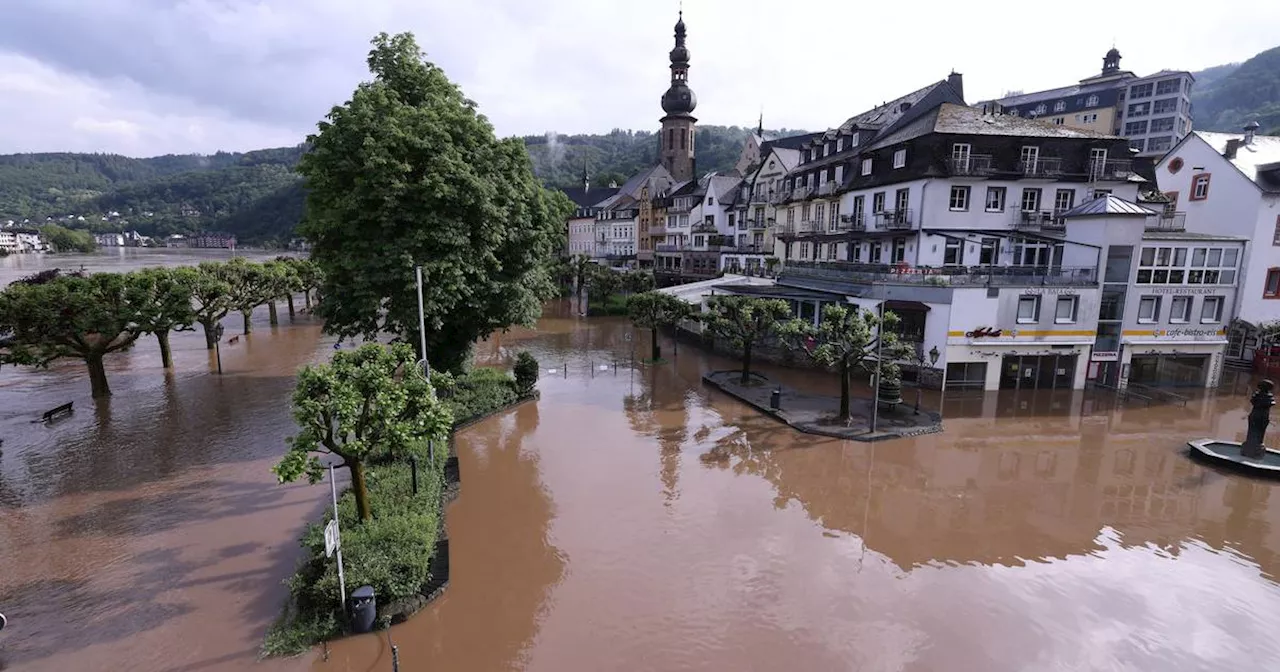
1259	155
792	142
1063	92
1108	205
723	187
589	197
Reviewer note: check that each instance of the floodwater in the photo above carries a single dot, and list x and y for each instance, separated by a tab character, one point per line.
632	519
118	260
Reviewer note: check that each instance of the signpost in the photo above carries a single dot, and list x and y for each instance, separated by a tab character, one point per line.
333	541
217	344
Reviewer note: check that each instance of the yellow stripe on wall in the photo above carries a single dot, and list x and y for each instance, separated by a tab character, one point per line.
1021	333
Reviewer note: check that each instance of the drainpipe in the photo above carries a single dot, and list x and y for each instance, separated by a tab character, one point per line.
924	191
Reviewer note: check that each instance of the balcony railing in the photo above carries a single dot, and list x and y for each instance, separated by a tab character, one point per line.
949	276
670	247
827	188
703	227
1045	166
893	220
747	249
1039	220
1168	221
764	223
800	193
780	196
1111	169
974	165
852	223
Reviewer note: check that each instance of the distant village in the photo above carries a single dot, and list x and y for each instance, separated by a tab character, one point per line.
24	237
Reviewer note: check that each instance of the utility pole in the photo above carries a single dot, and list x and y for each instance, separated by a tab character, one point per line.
422	344
875	390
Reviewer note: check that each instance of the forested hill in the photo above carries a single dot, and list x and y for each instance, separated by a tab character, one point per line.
559	159
1227	97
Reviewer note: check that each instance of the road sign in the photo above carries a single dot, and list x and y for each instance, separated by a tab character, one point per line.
332	541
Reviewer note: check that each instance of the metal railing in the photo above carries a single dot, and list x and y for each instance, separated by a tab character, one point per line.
827	188
703	227
948	276
974	165
669	247
1168	221
893	220
1045	166
1039	220
1110	169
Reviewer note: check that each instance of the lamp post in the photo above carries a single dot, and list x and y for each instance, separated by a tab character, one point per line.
217	345
875	389
933	355
426	366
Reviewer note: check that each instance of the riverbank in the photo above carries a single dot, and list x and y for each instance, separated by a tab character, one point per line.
818	414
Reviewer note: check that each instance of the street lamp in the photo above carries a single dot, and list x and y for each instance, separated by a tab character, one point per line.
217	345
933	361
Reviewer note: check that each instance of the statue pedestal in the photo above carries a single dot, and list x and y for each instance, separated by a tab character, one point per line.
1229	454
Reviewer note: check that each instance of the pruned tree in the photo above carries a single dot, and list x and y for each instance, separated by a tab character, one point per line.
251	285
603	283
309	278
210	296
293	282
408	173
744	321
163	299
280	279
370	402
847	339
636	281
85	318
654	310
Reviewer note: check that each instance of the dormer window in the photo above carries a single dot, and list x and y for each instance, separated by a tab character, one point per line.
1092	101
839	144
900	158
866	166
1059	106
853	140
1041	108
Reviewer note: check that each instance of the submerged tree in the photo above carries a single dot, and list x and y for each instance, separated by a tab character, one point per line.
365	403
846	339
408	173
210	296
744	321
250	285
81	317
655	310
163	299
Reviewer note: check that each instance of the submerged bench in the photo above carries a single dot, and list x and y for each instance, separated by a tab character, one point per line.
53	414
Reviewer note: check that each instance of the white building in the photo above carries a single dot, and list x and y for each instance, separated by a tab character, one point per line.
1224	183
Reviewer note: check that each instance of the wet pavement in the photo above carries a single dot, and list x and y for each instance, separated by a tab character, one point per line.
634	519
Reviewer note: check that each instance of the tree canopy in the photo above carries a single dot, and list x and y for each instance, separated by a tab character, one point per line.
654	310
744	321
406	173
368	402
162	298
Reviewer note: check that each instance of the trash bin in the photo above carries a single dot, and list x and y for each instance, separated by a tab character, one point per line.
364	609
775	398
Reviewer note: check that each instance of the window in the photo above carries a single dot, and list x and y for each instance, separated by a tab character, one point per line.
1211	310
791	215
1159	144
900	158
1041	108
819	214
858	202
834	216
989	252
960	156
1180	310
1058	121
1064	199
960	198
1149	309
877	203
1164	106
1065	312
1091	101
875	253
839	144
1139	109
1272	289
1200	187
953	252
995	200
804	250
1030	156
899	250
902	199
1138	144
831	251
1030	200
855	251
1166	86
1140	91
1059	106
1135	128
853	140
1028	309
1089	118
1164	125
804	213
1275	237
866	166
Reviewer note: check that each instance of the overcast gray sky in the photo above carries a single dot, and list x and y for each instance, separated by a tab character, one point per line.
146	77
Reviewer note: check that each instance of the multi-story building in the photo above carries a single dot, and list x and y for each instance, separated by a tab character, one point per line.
581	225
701	225
1153	112
1226	183
214	239
756	208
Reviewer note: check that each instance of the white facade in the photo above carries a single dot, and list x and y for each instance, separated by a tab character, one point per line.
582	235
1155	111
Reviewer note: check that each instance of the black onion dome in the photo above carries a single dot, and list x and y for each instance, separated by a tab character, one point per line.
680	54
1114	53
679	99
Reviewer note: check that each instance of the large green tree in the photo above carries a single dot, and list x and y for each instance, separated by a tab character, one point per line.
162	297
210	296
846	339
653	310
251	284
407	173
369	402
281	281
83	317
744	321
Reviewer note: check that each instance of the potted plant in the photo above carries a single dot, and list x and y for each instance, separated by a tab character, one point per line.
889	389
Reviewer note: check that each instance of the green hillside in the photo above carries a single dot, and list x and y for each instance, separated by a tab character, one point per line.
1227	97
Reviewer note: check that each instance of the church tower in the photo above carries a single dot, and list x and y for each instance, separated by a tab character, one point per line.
678	102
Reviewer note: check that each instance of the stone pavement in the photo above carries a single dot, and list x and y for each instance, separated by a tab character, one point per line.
816	413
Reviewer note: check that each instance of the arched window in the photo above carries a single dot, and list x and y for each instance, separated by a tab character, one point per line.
684	138
671	138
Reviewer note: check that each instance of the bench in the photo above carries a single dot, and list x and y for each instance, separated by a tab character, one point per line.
54	414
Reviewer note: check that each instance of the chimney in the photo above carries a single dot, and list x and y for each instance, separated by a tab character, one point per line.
1249	130
1233	144
956	80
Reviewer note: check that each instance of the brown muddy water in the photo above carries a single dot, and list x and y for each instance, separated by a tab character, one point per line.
632	520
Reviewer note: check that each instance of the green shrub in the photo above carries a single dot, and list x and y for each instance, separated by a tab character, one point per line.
476	393
526	373
614	305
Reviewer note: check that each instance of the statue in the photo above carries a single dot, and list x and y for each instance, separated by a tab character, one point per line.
1259	418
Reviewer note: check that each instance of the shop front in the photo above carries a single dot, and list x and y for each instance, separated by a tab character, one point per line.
1165	364
1016	366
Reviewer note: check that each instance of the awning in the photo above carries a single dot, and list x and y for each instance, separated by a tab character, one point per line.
896	304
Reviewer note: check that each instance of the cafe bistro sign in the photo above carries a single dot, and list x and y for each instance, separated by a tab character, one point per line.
989	332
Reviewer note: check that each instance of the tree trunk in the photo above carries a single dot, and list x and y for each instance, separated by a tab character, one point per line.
166	357
246	314
290	297
358	487
97	376
844	390
210	326
657	349
271	310
746	363
306	298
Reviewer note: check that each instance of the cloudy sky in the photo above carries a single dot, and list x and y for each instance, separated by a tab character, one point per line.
146	77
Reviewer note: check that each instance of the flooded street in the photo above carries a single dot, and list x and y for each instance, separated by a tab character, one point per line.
632	519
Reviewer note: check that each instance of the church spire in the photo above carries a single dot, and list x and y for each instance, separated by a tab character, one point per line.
760	126
678	102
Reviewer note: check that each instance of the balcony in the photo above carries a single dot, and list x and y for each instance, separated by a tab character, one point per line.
762	224
828	188
893	220
801	193
852	223
1046	167
670	247
703	227
948	276
1039	220
747	249
974	165
1117	170
1168	221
